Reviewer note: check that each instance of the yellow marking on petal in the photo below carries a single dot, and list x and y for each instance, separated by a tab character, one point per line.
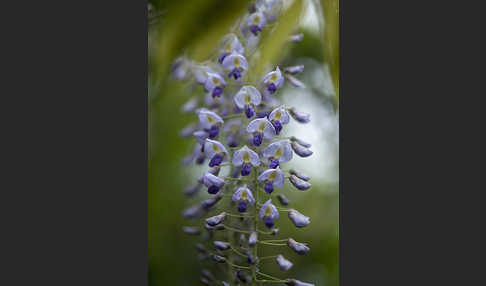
246	157
210	119
278	153
227	48
273	77
268	211
261	127
216	148
247	99
278	115
237	62
216	81
244	196
256	20
272	176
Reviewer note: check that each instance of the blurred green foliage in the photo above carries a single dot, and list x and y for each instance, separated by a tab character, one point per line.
194	27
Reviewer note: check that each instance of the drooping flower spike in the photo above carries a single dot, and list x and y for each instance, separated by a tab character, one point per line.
272	178
261	129
278	152
215	151
212	182
278	117
243	196
247	98
246	158
210	121
214	84
256	22
230	44
273	81
268	213
236	64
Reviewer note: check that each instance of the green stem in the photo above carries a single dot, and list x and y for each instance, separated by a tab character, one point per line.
269	243
238	252
235	229
271	277
237	266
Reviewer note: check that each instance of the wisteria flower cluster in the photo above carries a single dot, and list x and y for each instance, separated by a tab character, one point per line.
238	135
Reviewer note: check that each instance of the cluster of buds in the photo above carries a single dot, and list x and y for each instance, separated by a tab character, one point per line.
238	136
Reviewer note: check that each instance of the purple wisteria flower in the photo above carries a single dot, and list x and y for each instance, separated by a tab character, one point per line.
236	64
298	183
299	248
261	129
247	98
210	121
283	200
299	116
273	81
268	213
278	117
252	240
243	196
298	219
256	22
221	245
271	9
212	182
246	157
201	73
272	178
294	69
278	152
300	150
283	263
299	175
215	152
217	219
215	84
231	44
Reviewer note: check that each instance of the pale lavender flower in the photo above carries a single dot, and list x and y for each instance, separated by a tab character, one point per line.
246	158
192	212
298	219
180	68
190	105
230	44
212	182
275	231
298	183
201	136
201	73
256	22
213	102
299	116
261	129
215	84
247	98
242	276
300	248
300	142
217	258
278	117
188	130
283	263
301	151
278	152
209	203
207	274
210	121
243	196
268	213
192	190
215	220
272	178
273	81
236	64
215	152
272	9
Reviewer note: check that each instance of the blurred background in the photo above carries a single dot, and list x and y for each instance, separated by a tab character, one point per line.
194	28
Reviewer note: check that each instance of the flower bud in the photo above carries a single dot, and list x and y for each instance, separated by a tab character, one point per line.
207	274
253	239
299	116
192	190
294	81
300	248
188	130
192	230
217	258
275	231
200	248
225	283
190	106
204	281
301	151
300	142
192	212
293	282
209	203
221	245
299	175
283	200
283	263
299	184
252	260
294	69
298	219
215	220
242	276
